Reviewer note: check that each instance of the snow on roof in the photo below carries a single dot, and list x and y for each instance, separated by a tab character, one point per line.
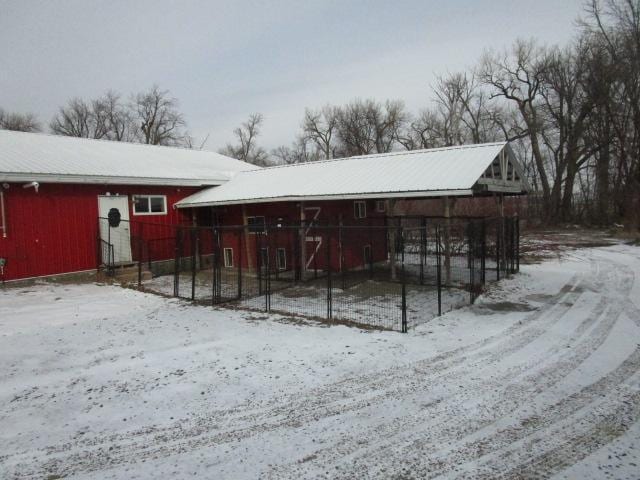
53	158
416	173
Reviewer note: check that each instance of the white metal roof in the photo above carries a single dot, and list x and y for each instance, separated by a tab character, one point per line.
416	173
60	159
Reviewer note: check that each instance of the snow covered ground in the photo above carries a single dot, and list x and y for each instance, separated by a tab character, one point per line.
540	378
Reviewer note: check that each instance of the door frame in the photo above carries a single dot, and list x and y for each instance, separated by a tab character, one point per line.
122	254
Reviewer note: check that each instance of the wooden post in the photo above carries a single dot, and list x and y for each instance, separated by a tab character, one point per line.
247	242
391	235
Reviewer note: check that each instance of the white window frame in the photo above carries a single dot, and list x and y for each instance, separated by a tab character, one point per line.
149	197
381	206
282	266
264	224
224	256
359	213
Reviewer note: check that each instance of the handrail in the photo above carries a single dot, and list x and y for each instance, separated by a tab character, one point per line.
110	253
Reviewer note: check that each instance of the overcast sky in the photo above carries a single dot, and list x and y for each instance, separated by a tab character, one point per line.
225	60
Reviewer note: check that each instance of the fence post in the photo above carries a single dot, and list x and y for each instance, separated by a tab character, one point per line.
110	254
149	255
217	265
471	245
100	248
193	241
498	253
401	236
370	251
404	328
296	256
483	251
214	283
513	245
438	270
258	242
140	237
341	256
329	284
240	239
268	279
509	251
423	247
517	244
176	263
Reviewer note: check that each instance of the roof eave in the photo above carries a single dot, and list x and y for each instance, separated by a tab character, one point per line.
346	196
109	180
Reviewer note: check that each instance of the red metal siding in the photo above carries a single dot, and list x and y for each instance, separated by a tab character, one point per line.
55	230
288	213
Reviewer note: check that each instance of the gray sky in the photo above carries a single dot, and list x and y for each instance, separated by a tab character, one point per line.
225	60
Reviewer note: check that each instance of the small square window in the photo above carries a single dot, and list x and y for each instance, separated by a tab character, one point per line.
228	257
141	204
157	204
380	206
281	258
359	209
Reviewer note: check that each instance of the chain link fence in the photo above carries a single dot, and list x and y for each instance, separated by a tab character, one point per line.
394	273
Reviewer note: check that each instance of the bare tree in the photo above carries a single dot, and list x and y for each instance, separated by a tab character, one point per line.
301	151
517	76
76	120
365	126
568	108
424	131
449	92
101	118
320	127
157	118
20	122
462	112
246	148
117	118
615	26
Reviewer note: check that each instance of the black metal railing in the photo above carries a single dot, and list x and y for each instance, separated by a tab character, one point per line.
106	254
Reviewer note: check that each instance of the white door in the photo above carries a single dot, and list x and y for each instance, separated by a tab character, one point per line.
116	239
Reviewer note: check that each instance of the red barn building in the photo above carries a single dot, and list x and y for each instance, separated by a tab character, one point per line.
356	192
53	189
58	196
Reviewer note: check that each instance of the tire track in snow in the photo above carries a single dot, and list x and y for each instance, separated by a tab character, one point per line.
629	367
605	422
507	403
